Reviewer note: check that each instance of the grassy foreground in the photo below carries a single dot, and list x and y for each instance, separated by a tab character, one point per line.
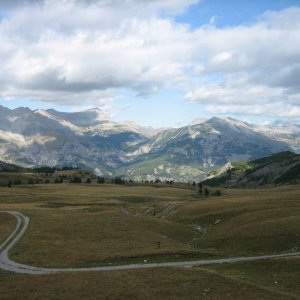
7	223
87	225
265	281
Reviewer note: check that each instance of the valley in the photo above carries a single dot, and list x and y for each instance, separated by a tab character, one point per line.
89	225
149	150
211	208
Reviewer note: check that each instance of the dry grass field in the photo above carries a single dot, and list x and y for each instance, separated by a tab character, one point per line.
7	223
88	225
263	281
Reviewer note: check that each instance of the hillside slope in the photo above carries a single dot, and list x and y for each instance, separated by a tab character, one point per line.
6	167
280	168
188	153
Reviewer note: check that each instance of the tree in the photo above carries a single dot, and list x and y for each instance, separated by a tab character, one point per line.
76	179
100	179
118	180
17	182
218	193
88	180
200	188
44	170
206	191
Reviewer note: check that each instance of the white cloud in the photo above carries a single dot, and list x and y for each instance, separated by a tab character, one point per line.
55	50
277	110
72	51
254	69
236	94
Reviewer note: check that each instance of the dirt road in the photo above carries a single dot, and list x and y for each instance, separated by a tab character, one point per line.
21	227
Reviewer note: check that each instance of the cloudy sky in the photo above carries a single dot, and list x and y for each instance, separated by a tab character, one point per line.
156	62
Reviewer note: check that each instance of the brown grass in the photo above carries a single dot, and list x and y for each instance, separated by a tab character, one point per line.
85	225
95	224
244	222
138	284
7	223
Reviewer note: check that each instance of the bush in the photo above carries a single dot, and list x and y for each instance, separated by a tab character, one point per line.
216	193
30	181
118	180
100	179
76	179
17	182
206	191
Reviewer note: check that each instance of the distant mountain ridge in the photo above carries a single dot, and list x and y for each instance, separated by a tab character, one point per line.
189	152
280	168
92	140
6	167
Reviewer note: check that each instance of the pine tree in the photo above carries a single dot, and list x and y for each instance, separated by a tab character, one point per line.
206	192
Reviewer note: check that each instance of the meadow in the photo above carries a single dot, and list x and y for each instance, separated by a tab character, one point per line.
78	225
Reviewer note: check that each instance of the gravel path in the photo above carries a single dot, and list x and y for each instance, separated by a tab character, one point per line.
21	227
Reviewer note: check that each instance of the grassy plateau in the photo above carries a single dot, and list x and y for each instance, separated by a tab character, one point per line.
79	225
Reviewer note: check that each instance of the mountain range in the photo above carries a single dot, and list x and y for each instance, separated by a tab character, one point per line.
90	139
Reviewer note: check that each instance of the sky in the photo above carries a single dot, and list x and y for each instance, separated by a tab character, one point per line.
160	63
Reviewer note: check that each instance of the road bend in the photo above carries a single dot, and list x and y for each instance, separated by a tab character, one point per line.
22	223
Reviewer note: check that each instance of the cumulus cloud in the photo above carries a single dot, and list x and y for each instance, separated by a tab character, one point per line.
62	53
252	66
276	110
73	51
53	49
236	94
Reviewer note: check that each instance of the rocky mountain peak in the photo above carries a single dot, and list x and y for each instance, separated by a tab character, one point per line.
90	139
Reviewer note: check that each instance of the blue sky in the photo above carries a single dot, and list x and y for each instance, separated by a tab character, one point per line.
161	64
231	12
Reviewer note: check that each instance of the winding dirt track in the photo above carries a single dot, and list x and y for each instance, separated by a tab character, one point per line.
21	227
